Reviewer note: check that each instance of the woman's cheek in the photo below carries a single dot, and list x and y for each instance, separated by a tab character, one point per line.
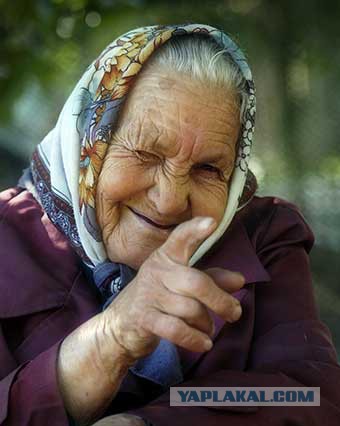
210	199
124	181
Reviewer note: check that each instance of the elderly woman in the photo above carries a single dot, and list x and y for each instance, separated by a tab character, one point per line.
136	256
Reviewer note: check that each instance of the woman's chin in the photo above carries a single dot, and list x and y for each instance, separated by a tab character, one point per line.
133	240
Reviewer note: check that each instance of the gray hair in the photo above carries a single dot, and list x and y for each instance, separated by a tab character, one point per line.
201	58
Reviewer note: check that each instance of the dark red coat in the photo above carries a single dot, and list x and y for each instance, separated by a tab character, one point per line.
279	340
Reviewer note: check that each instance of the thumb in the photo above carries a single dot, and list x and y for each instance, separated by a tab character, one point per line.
186	238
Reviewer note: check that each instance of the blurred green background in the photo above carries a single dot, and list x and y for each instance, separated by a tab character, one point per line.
293	48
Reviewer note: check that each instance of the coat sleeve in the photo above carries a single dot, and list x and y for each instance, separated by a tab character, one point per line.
291	346
29	394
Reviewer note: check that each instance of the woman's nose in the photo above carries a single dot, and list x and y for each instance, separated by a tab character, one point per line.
170	195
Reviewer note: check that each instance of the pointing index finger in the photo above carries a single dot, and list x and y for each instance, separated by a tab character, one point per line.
187	237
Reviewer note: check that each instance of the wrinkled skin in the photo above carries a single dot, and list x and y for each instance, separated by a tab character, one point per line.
171	160
170	299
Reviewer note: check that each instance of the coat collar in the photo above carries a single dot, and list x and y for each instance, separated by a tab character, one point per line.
236	252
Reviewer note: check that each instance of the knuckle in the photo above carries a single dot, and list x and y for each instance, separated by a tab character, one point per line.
220	304
194	341
173	327
229	308
196	283
194	309
157	257
146	320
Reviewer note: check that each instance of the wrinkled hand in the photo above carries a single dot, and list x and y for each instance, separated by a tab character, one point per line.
120	420
168	299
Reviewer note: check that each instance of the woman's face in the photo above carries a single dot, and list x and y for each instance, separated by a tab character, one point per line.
171	159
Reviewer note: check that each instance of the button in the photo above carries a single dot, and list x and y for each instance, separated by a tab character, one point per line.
116	285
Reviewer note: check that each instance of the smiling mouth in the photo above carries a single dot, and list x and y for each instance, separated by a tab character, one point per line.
151	222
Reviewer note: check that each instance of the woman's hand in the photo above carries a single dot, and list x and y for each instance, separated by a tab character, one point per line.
168	299
120	420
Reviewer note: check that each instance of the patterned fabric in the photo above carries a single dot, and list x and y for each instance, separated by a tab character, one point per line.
66	164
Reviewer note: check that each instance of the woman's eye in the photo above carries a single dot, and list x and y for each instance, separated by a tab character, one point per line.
146	156
210	172
208	168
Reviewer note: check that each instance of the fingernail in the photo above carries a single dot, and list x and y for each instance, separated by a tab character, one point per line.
206	223
239	275
237	312
208	344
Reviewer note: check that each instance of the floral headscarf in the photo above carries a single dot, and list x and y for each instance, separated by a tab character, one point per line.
66	164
